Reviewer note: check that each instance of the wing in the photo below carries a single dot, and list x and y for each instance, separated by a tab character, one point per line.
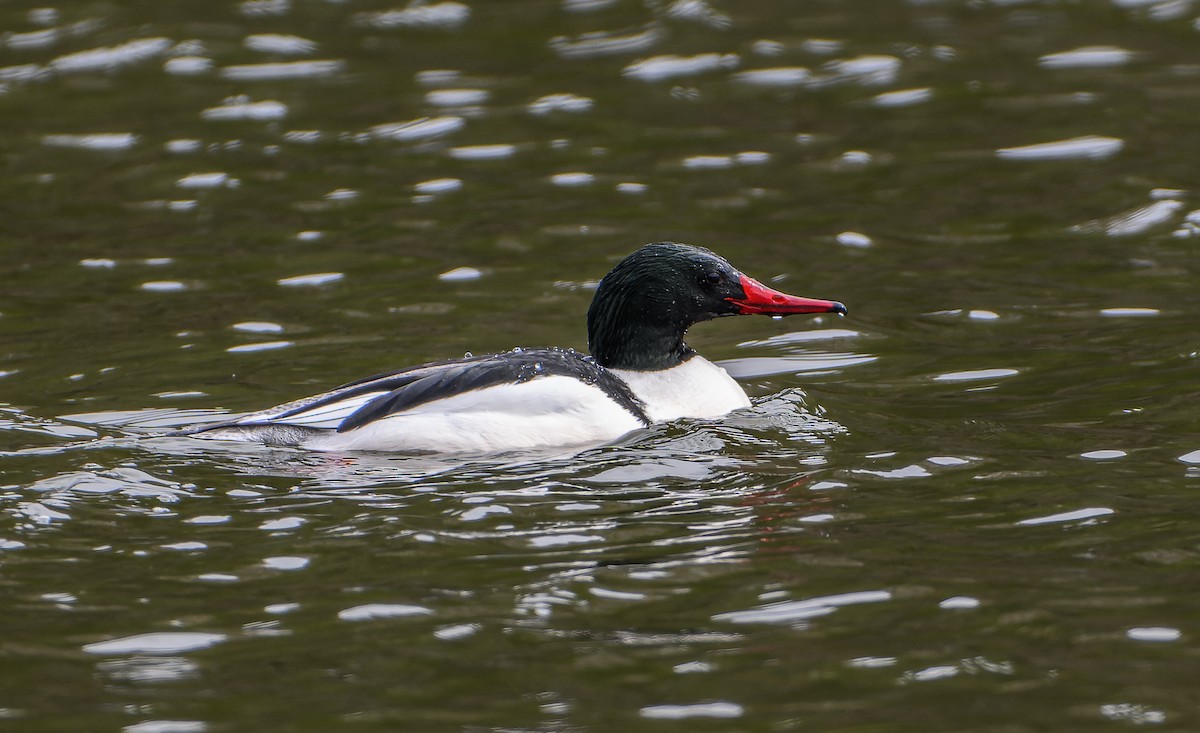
363	401
513	367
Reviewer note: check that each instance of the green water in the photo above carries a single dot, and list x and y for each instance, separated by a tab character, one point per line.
968	506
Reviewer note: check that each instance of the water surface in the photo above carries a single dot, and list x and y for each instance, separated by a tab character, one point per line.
967	506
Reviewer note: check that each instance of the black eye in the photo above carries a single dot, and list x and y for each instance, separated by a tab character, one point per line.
714	278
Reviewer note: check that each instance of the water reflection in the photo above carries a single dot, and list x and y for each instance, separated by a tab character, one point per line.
997	447
1087	147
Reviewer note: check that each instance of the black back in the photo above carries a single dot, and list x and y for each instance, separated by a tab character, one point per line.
418	385
472	373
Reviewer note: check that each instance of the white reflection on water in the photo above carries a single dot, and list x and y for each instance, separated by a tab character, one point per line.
911	471
437	15
456	97
437	77
752	157
183	145
163	286
975	375
754	367
572	179
241	108
871	70
1135	222
260	346
264	8
718	709
22	73
605	43
286	562
1192	457
188	65
149	670
438	185
1132	713
1103	454
708	162
853	160
304	137
206	180
871	662
822	46
797	611
1154	633
93	141
419	129
32	39
1086	147
283	70
1087	57
257	327
372	611
311	280
496	151
699	11
783	76
903	97
800	337
559	103
279	43
937	672
167	726
461	274
671	66
1072	516
283	524
161	642
111	58
854	239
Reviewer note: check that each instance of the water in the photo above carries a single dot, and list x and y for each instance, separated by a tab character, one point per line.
966	506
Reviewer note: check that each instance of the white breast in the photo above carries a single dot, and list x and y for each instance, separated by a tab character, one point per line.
553	410
695	388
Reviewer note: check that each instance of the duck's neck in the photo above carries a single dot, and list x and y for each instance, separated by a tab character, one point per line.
635	333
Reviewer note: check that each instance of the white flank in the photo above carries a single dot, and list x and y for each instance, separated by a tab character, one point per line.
553	410
695	388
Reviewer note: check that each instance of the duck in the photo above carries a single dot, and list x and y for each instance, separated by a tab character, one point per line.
639	372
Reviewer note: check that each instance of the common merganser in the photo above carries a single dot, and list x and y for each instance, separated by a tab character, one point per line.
640	372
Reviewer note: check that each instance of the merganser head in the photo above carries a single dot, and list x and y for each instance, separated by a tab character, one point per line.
643	307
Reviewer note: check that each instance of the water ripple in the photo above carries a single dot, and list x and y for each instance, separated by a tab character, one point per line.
447	15
93	141
1087	57
280	43
283	70
607	43
111	58
788	612
671	66
242	108
1086	147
